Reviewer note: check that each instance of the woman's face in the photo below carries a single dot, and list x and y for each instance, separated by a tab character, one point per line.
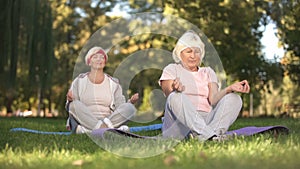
190	58
97	61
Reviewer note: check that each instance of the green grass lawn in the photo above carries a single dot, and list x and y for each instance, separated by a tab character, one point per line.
29	150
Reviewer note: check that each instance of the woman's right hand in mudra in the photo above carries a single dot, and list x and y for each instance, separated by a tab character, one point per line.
177	85
134	98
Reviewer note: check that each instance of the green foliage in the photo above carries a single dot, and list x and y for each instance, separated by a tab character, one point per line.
44	40
27	57
287	16
233	28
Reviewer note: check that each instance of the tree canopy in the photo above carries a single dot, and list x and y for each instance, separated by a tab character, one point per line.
43	44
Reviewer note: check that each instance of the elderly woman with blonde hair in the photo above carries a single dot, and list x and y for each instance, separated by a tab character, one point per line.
195	106
95	99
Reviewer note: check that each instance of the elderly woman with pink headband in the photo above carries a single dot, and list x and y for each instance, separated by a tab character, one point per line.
195	106
95	99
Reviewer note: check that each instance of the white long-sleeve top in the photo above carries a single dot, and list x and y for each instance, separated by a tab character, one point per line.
106	96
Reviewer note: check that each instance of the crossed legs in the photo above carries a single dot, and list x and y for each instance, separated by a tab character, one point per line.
181	117
83	116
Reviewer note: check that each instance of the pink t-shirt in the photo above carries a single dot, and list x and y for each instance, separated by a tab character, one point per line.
195	83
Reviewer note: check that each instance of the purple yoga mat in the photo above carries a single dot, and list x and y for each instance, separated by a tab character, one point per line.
251	130
245	131
100	132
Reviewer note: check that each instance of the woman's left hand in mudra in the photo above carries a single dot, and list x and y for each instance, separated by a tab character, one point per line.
242	87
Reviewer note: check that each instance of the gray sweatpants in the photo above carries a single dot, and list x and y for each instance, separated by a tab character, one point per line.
182	118
86	118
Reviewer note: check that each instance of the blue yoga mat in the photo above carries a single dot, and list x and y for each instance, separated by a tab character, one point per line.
40	132
245	131
145	128
131	129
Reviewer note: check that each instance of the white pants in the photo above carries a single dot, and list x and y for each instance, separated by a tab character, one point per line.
86	118
182	118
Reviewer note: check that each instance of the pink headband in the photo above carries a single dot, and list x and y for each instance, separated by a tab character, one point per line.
98	52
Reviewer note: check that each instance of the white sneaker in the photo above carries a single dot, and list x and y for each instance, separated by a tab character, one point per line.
108	123
81	130
221	138
123	128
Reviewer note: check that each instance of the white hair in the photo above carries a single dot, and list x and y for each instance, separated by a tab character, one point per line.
188	39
